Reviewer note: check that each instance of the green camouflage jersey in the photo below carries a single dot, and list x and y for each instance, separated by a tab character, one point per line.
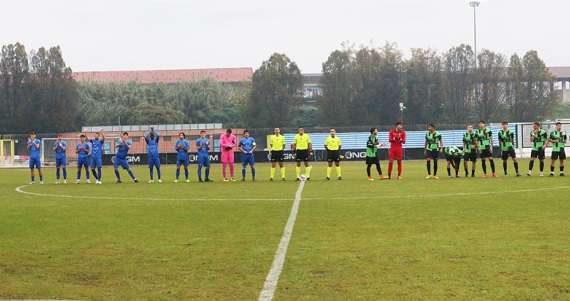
372	146
453	151
538	139
469	141
484	138
506	140
432	141
558	139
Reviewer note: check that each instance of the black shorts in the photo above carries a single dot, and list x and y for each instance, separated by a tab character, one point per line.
432	154
333	156
485	153
472	156
537	154
506	154
561	155
372	160
452	158
277	156
302	155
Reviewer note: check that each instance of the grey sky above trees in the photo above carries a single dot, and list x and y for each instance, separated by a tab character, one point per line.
165	34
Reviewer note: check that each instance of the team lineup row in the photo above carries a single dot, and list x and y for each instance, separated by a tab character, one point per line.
477	143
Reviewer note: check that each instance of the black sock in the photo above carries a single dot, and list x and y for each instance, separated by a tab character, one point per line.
378	169
517	167
505	166
561	168
492	165
466	172
541	165
484	164
368	169
435	167
530	165
551	168
428	166
473	171
449	172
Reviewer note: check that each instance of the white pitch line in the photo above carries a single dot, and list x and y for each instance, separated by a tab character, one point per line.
19	189
270	284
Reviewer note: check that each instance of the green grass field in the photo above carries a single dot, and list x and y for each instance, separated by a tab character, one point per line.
461	239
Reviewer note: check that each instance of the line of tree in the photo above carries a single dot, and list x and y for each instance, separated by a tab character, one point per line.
361	86
365	86
37	90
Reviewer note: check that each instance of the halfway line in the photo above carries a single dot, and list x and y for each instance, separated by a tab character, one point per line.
270	284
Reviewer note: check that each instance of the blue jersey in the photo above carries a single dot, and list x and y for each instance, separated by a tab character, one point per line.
152	144
83	149
247	144
34	147
59	148
182	147
203	145
123	149
97	147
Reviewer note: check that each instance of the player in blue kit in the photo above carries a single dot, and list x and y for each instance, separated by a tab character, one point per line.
60	147
83	150
122	150
34	152
247	146
97	156
153	159
182	147
203	146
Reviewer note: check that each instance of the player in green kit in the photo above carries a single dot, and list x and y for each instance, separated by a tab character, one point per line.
485	146
433	146
506	139
372	146
538	138
558	139
469	151
453	156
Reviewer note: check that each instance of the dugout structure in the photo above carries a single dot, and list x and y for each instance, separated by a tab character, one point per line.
7	151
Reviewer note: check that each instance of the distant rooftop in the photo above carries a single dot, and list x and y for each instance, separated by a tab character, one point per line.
226	75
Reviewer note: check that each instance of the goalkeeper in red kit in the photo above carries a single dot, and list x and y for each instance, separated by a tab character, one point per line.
397	138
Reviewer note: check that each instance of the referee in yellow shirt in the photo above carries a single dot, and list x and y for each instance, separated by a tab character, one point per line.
302	147
276	148
333	145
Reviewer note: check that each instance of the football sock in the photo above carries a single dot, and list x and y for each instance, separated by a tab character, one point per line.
505	166
329	170
516	167
131	174
449	171
428	166
243	172
232	171
100	173
272	173
253	172
298	171
541	165
338	171
368	170
186	172
484	164
177	173
379	169
399	168
117	174
492	165
65	173
435	167
207	172
283	172
390	166
57	173
530	165
308	171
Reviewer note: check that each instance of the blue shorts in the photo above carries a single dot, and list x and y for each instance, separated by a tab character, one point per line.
247	159
96	162
153	160
182	162
121	162
60	161
35	162
204	159
85	161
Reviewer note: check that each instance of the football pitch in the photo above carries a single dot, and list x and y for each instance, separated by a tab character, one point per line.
450	239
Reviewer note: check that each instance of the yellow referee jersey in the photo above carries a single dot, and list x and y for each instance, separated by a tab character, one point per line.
302	141
277	143
333	144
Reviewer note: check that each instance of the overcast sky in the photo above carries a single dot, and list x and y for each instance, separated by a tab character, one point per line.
168	34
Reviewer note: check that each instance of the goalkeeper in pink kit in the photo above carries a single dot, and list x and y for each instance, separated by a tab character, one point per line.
228	142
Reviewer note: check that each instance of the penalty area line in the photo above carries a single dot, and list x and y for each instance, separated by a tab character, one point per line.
270	284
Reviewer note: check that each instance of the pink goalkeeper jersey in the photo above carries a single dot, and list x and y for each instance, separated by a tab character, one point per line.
228	142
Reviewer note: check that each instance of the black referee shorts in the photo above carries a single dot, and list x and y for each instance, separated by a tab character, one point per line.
276	156
333	156
302	155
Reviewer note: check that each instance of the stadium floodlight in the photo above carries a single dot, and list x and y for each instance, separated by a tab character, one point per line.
402	108
474	4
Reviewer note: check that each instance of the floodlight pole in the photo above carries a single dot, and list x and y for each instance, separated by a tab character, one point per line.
475	4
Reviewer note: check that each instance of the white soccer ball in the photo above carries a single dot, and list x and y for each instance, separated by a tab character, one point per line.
303	178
